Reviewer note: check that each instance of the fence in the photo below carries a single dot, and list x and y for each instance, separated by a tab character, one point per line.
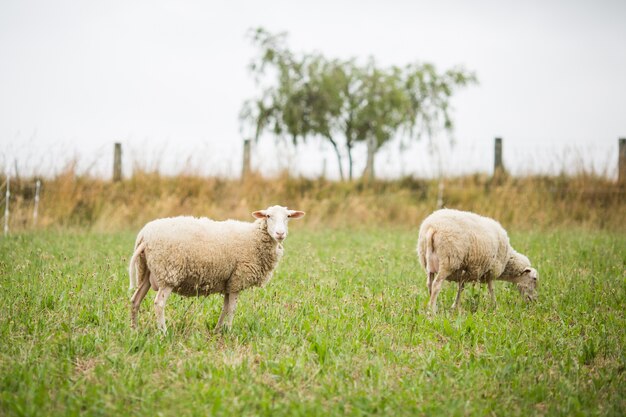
5	189
7	199
20	199
621	170
499	167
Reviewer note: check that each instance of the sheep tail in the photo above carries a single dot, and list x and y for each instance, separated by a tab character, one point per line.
132	267
432	260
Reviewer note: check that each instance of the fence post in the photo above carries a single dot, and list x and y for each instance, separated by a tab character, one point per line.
497	158
6	206
117	162
246	159
36	208
621	163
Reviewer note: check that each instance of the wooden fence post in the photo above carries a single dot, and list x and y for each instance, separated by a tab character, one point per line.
245	171
117	162
498	167
621	163
6	207
36	207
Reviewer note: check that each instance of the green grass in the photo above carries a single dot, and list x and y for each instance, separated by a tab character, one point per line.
340	330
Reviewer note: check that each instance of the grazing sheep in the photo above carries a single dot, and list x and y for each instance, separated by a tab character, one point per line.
199	256
461	246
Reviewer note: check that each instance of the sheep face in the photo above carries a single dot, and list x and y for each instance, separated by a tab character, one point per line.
277	218
527	283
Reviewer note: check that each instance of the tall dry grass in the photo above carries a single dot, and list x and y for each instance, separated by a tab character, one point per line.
70	200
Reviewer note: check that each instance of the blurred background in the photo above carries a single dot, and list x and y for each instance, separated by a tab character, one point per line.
403	100
168	80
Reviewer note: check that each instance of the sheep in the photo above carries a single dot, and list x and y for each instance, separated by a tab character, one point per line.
461	246
199	256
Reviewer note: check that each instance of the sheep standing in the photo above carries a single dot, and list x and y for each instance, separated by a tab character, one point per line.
199	256
461	246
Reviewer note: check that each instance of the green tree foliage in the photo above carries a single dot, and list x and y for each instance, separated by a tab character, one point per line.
308	95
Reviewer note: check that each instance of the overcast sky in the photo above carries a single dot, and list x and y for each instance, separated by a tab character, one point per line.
168	78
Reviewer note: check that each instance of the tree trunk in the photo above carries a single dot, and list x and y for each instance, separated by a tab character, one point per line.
336	148
368	173
350	163
349	143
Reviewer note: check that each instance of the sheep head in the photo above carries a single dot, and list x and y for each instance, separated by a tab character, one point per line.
527	283
277	218
519	271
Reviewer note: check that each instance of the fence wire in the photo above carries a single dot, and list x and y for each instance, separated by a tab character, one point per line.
24	193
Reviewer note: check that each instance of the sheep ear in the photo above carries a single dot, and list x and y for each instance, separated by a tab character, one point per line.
295	214
260	214
531	272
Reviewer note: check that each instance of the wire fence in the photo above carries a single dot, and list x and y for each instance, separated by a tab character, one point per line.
20	198
25	191
7	198
316	158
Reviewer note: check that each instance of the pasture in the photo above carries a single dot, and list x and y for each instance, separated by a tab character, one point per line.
341	329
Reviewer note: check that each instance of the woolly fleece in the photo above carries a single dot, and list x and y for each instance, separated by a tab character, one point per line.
468	247
200	256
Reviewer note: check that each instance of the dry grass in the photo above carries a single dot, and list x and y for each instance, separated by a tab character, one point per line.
73	200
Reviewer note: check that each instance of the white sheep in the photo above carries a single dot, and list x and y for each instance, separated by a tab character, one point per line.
199	256
461	246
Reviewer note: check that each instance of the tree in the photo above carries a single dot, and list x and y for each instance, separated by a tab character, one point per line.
304	98
429	96
384	110
346	103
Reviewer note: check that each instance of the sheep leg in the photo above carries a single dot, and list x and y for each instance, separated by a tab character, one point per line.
429	282
230	310
436	288
136	299
159	307
457	300
220	322
491	293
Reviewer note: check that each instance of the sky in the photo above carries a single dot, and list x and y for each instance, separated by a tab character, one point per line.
167	79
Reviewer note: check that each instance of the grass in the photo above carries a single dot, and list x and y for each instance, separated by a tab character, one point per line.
340	330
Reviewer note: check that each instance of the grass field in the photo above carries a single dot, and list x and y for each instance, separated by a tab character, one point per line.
340	330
